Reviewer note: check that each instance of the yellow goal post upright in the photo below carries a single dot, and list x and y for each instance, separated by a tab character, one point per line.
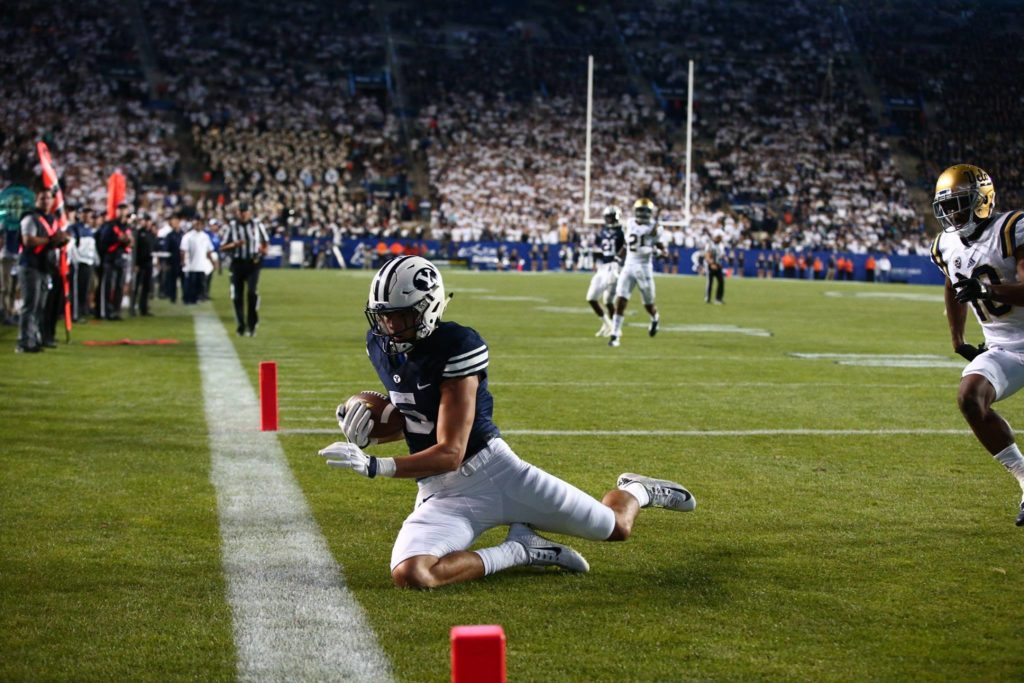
589	140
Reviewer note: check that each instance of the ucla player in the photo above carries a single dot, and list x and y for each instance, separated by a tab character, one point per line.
602	285
645	239
981	252
469	479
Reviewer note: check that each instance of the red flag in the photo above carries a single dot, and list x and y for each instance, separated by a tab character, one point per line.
51	181
115	193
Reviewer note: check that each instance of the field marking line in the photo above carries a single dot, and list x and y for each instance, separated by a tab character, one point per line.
294	618
687	432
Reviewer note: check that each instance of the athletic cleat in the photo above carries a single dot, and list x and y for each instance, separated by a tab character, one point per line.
664	494
652	329
546	553
605	330
614	341
1020	517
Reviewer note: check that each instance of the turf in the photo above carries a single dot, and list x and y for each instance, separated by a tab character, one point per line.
823	557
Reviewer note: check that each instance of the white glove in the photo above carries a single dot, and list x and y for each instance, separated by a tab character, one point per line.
356	423
350	456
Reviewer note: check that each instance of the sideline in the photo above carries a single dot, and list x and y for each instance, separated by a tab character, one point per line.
686	432
294	619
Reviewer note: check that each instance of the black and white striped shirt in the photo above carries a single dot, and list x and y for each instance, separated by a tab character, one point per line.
250	235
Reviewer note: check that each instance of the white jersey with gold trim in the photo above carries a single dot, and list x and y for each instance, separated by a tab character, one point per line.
641	240
990	259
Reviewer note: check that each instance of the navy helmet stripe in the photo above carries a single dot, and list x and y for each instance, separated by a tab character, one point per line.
384	276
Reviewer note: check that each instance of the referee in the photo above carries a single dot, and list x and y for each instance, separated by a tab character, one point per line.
714	256
247	242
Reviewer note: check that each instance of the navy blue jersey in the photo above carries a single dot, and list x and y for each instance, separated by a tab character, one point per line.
413	381
610	241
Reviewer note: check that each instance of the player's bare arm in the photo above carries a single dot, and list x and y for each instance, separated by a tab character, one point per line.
956	315
454	422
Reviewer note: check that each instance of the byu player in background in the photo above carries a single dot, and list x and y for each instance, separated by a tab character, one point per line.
981	253
645	238
469	479
610	242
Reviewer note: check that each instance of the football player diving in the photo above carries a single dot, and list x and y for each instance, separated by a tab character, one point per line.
645	239
981	252
602	285
469	479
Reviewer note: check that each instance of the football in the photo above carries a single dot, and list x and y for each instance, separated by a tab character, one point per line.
388	420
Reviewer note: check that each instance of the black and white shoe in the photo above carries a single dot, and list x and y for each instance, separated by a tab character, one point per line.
613	340
652	329
663	493
1020	516
546	553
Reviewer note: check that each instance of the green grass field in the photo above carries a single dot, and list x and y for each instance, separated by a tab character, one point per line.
884	550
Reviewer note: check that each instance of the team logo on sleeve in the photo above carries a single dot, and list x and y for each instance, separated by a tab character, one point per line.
425	279
957	262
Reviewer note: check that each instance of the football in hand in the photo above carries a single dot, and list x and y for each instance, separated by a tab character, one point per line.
388	421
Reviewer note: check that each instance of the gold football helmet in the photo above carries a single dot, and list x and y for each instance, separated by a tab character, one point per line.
643	209
964	196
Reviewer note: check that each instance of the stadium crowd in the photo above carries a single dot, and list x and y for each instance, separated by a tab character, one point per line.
74	81
790	151
795	144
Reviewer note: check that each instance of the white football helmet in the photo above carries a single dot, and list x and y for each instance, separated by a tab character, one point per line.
405	283
612	215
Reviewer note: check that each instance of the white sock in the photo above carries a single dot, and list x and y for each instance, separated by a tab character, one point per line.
655	317
617	324
637	490
1013	461
499	557
607	320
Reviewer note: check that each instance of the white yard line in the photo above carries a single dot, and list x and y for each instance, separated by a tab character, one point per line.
685	432
294	619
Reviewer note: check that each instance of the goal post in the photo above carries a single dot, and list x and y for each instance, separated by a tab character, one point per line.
588	159
590	123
